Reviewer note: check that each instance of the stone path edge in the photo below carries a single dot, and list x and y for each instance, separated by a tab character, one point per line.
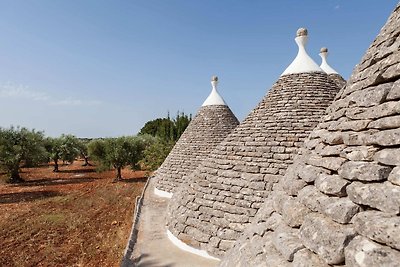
126	261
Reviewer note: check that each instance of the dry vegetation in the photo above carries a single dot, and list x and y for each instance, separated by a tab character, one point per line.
76	217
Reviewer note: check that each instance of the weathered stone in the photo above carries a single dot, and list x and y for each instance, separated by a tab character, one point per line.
387	137
379	226
326	238
312	198
292	186
362	252
394	92
306	258
364	171
394	176
330	163
356	126
360	153
330	150
331	184
340	210
386	123
279	198
226	244
309	173
286	241
197	234
227	234
382	196
294	212
388	156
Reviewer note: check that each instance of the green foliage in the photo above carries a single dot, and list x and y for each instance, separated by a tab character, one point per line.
17	145
156	153
167	129
65	148
119	152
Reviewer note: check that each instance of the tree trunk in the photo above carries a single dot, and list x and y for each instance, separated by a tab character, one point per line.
87	163
118	177
55	165
14	176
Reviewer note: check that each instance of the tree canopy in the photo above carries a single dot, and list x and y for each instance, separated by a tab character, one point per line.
17	145
167	129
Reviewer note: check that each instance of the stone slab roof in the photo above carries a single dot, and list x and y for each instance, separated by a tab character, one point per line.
339	203
226	190
208	128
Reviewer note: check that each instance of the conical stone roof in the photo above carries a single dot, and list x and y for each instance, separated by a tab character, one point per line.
226	190
339	203
212	123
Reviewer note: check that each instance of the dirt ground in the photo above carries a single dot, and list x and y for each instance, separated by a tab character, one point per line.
76	217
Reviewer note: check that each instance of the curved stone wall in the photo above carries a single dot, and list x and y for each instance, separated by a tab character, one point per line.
339	203
226	190
208	128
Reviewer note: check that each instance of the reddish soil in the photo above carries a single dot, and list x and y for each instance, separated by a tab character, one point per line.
76	217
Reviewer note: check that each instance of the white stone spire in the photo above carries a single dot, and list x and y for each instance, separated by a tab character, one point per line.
324	65
303	62
214	98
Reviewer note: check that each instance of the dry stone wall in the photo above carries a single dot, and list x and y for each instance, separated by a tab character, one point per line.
338	80
339	203
226	190
207	129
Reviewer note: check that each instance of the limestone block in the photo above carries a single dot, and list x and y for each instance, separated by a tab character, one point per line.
382	196
326	238
309	173
197	234
382	110
357	125
386	123
278	199
360	153
330	150
387	137
331	184
340	210
364	171
330	163
294	212
227	234
306	258
286	240
394	176
388	156
378	226
394	92
226	244
362	252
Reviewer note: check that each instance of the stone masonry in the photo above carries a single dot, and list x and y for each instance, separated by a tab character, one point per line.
339	203
224	193
207	129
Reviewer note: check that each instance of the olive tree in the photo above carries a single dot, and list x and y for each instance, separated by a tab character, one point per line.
65	148
118	152
18	145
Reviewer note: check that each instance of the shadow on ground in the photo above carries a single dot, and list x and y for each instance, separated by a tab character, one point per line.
144	260
55	181
134	180
8	198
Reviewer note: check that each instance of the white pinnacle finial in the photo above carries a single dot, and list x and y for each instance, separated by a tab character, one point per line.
214	98
324	65
303	62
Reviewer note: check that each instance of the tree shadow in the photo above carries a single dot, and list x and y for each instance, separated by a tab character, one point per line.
77	171
55	181
8	198
134	180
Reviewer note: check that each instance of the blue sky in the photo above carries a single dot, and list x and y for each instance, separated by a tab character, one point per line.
103	68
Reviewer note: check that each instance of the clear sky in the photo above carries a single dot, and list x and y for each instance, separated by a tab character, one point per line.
98	68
